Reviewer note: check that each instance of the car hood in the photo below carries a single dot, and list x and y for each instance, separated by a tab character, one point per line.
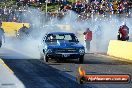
64	44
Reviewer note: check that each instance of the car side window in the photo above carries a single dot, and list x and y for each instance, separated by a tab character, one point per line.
74	38
48	38
68	37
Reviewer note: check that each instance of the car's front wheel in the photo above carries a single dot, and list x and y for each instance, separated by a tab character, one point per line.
81	59
44	57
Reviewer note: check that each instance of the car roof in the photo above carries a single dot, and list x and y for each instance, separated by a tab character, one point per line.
60	33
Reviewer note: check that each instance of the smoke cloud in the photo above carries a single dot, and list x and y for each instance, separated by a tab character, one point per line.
104	29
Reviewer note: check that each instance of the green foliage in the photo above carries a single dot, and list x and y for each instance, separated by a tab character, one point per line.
8	3
50	7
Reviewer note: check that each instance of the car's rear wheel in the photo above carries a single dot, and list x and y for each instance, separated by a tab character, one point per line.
81	59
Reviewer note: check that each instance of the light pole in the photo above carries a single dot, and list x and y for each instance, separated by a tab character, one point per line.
46	6
46	2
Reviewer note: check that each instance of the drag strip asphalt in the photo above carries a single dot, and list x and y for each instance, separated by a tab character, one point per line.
35	73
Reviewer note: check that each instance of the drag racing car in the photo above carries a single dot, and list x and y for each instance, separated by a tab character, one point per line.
60	46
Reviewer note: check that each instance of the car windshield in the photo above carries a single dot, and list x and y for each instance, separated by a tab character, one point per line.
55	37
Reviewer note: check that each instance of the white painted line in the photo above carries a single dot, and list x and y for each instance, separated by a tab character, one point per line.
2	62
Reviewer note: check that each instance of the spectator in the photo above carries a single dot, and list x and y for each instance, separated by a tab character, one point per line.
126	6
88	38
120	7
123	33
115	6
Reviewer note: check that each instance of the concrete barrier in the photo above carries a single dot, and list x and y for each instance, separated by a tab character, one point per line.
121	49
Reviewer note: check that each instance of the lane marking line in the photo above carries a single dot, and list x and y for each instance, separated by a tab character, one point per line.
1	61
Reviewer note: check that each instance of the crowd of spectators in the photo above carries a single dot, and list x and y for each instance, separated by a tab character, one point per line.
94	7
86	10
98	7
10	13
4	11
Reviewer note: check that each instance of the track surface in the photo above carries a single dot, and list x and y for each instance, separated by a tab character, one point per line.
35	73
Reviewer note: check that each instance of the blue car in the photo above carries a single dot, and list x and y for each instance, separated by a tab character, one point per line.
60	46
